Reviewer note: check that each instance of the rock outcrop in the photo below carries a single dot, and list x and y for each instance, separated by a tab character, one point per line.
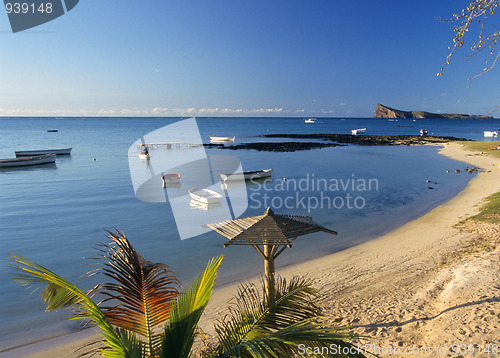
382	111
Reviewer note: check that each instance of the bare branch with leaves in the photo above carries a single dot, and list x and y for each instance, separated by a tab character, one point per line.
476	13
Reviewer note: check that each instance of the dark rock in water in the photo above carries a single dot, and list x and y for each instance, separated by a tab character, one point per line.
281	146
213	145
370	139
331	140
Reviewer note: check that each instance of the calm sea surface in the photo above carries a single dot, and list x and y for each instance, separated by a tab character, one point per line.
56	214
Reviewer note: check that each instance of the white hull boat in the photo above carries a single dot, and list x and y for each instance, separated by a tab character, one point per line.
206	196
256	174
31	153
358	131
21	162
310	120
222	139
171	178
490	133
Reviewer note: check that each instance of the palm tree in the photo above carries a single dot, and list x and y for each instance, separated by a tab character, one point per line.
144	314
253	328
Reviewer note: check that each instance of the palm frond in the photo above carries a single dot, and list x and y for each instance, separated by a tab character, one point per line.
251	317
58	293
255	329
180	330
144	290
294	340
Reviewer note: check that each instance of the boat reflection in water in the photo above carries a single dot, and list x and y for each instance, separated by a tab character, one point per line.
198	205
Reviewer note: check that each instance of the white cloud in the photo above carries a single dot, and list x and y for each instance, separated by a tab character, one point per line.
155	111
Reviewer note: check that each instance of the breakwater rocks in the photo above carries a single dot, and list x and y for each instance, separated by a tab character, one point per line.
276	146
370	139
331	140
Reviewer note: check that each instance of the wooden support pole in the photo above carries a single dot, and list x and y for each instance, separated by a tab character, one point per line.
269	272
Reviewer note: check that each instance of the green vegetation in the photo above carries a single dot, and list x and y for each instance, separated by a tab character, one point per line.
483	147
151	317
490	212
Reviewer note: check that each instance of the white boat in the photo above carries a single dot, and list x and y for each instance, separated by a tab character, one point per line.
21	162
255	174
205	195
144	155
310	120
31	153
358	131
170	178
222	139
490	133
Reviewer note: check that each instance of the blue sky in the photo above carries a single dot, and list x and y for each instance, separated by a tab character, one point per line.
240	58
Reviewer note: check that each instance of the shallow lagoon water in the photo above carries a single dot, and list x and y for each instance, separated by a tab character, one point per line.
56	214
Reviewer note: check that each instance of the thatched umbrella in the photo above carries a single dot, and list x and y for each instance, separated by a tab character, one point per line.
270	235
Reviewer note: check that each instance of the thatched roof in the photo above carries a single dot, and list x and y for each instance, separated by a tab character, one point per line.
267	229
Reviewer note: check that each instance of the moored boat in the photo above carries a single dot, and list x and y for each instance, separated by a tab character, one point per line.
358	131
206	196
170	178
222	139
490	133
24	161
31	153
255	174
310	120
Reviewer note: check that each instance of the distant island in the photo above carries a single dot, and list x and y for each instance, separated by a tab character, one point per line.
387	112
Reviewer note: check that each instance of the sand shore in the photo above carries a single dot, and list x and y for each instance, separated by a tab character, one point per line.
425	284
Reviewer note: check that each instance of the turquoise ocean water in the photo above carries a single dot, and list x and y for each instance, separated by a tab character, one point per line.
56	214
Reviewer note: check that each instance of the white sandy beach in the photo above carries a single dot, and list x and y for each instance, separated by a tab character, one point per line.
425	284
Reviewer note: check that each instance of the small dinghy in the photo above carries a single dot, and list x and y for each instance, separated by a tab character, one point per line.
206	196
222	139
170	178
251	175
30	153
358	131
21	162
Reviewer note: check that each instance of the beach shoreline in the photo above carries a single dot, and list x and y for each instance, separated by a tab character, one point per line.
416	247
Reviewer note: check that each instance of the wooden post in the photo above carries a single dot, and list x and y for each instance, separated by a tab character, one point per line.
269	272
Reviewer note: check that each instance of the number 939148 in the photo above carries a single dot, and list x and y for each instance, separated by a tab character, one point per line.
28	8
